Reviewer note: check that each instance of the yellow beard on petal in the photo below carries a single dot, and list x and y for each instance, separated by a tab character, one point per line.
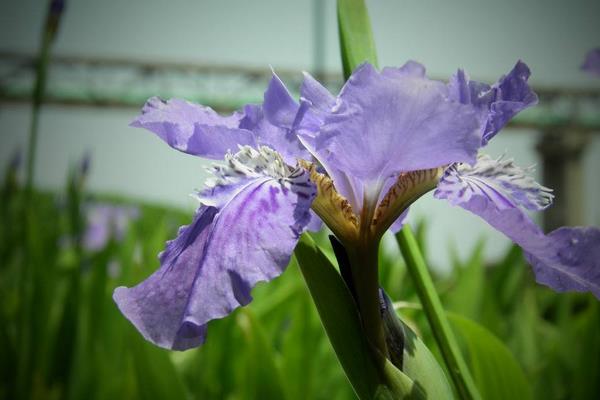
409	187
334	209
337	213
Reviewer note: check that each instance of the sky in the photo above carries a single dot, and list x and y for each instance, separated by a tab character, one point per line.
485	38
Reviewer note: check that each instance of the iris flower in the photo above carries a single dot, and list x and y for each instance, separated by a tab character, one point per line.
356	162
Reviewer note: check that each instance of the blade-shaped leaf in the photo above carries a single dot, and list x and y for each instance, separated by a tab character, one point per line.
466	296
263	378
496	372
412	356
371	376
155	372
339	316
356	39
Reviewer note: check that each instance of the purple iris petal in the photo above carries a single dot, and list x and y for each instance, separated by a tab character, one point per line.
394	121
410	68
399	223
566	259
315	223
321	103
592	62
192	128
318	95
569	260
496	190
284	115
500	180
284	140
499	103
156	305
280	106
211	267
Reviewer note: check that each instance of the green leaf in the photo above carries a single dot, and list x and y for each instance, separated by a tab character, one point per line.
466	295
423	368
432	306
339	316
262	379
496	372
356	39
371	376
155	372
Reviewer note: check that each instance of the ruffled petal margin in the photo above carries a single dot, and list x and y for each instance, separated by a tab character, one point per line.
192	128
212	265
498	103
395	121
566	259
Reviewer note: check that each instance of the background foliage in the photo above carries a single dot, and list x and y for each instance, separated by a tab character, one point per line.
62	336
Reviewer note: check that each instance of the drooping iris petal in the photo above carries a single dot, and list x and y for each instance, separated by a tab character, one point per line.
569	260
591	63
500	180
566	259
497	104
388	123
210	269
231	177
156	306
194	129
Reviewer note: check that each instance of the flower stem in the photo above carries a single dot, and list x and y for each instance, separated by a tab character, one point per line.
37	97
365	276
442	332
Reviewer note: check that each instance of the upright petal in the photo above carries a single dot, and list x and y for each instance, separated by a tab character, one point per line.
210	269
318	95
277	137
280	107
278	121
388	123
410	68
192	128
566	259
497	104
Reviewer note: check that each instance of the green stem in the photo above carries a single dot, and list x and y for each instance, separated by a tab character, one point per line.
38	95
365	276
442	332
31	283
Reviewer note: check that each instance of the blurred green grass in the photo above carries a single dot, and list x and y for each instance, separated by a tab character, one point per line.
62	336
